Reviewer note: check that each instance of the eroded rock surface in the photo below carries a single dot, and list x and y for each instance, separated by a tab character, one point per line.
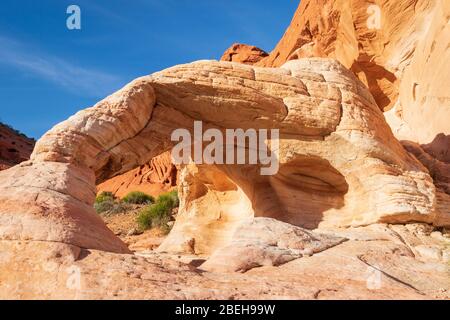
155	177
341	172
375	263
339	166
267	242
243	53
394	47
339	163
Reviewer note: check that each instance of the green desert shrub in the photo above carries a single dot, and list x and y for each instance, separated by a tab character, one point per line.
105	203
119	207
153	216
170	199
104	197
110	207
158	214
137	197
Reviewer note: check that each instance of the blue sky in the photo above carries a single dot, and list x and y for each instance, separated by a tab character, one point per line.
48	72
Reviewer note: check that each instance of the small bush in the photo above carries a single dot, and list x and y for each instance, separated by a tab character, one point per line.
144	220
170	199
119	208
153	216
110	207
158	214
104	205
137	197
174	195
105	197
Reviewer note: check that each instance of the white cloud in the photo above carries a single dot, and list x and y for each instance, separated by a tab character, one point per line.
72	77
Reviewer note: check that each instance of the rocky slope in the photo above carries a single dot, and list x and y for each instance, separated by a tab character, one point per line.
14	147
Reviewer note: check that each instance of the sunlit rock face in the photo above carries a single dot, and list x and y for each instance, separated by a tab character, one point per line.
397	48
339	163
243	53
157	176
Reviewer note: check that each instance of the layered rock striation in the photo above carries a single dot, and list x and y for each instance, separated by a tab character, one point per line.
394	47
155	177
339	163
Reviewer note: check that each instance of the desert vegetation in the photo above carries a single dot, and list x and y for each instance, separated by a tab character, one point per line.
106	203
159	214
137	197
150	213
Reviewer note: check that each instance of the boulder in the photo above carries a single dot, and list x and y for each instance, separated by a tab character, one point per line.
243	53
267	242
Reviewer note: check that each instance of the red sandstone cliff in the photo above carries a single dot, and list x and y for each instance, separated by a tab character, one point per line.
154	178
14	147
397	48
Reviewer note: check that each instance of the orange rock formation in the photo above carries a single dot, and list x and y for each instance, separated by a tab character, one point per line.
155	177
377	205
394	47
243	53
14	147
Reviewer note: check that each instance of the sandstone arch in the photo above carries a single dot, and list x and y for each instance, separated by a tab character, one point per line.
323	112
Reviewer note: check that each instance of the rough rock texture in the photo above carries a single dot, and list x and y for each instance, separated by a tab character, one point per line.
438	166
267	242
243	53
14	147
377	262
52	201
337	157
156	177
341	172
436	158
159	175
397	58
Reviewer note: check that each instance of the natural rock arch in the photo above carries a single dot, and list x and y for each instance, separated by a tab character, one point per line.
327	120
